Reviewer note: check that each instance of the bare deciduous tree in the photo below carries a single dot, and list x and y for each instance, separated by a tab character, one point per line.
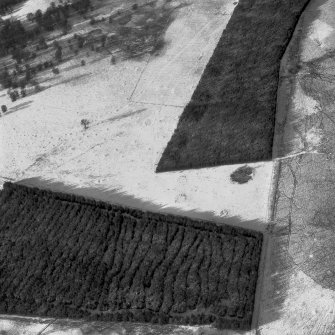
84	123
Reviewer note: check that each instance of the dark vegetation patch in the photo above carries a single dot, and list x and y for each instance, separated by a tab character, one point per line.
66	256
32	46
231	116
7	6
140	30
242	175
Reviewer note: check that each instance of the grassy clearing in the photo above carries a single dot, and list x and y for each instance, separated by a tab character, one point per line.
66	256
230	118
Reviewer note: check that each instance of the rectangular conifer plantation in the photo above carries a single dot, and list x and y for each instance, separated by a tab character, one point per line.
67	256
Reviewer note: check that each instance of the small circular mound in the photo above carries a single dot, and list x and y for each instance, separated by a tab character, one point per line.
242	175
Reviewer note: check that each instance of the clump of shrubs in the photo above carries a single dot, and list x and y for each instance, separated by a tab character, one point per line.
85	123
242	175
14	95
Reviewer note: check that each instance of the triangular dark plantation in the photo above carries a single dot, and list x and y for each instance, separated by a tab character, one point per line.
231	116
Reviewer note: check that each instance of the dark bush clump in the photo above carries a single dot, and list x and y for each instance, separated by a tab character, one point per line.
242	175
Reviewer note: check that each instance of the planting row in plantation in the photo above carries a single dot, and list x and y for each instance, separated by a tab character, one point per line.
67	256
231	116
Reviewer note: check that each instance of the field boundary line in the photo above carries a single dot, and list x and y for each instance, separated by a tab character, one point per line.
139	78
46	327
157	104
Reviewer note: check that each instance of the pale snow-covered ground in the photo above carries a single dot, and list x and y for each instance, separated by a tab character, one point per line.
133	108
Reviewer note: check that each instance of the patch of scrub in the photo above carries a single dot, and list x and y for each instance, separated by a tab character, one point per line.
242	175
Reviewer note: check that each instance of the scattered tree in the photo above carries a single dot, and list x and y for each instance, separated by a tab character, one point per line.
4	109
84	123
14	95
42	43
5	79
30	17
59	54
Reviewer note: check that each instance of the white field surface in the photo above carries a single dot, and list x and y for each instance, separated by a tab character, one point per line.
133	109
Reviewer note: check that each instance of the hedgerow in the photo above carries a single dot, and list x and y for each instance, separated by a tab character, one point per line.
63	255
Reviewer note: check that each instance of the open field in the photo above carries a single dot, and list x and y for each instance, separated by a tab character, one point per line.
230	118
130	124
65	256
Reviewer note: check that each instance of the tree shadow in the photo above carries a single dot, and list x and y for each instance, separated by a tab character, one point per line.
117	197
277	269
